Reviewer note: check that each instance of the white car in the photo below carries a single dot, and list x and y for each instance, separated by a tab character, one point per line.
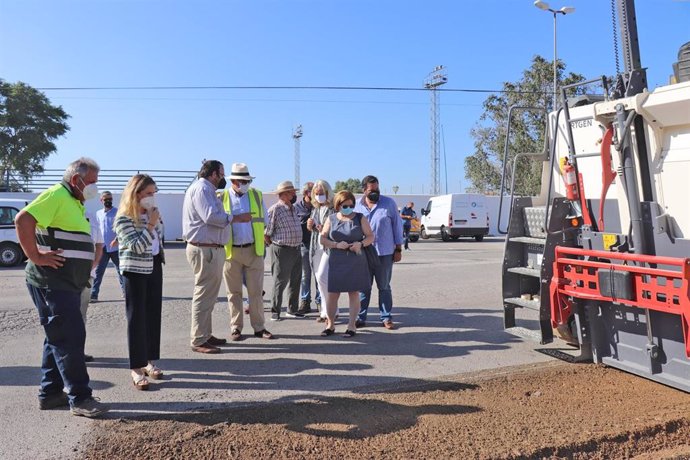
11	253
458	214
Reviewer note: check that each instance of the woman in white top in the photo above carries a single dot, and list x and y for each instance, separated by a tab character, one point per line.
322	199
140	239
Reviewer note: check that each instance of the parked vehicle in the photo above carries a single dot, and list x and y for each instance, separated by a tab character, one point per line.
454	215
11	253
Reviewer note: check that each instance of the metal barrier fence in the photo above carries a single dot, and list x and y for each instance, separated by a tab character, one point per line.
113	180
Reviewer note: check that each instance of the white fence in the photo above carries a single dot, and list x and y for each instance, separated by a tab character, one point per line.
170	205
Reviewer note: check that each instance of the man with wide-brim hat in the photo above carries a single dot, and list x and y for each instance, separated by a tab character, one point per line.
244	252
284	237
240	172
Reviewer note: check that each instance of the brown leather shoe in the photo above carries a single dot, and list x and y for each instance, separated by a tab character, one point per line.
389	325
216	342
236	335
206	348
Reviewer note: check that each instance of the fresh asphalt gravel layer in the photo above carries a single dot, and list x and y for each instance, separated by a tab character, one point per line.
447	306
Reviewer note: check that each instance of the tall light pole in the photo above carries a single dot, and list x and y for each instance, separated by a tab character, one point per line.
297	135
564	10
436	78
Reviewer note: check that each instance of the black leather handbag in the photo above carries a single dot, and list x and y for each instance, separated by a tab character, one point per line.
372	257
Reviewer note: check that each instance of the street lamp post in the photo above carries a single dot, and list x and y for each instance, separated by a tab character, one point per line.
564	10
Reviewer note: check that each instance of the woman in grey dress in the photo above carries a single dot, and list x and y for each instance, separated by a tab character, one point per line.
344	234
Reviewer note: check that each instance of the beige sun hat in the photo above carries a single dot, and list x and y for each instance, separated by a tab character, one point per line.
285	186
240	171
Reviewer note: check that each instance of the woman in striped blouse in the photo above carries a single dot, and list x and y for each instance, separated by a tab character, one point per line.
140	238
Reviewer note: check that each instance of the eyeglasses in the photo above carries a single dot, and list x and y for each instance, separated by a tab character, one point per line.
244	182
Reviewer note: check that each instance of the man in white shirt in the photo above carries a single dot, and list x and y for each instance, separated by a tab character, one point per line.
97	238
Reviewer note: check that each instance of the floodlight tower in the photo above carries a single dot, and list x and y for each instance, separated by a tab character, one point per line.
297	135
436	78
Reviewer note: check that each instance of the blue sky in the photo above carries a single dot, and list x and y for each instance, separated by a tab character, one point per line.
97	43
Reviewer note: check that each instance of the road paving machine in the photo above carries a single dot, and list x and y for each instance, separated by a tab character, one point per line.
602	256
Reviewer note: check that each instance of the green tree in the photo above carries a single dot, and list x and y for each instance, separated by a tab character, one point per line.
354	185
534	89
29	124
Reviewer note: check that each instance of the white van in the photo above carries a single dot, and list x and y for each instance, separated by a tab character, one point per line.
458	214
11	253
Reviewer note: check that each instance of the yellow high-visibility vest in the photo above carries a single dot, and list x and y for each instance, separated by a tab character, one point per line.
258	224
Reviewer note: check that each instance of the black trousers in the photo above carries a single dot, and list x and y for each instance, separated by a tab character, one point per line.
143	294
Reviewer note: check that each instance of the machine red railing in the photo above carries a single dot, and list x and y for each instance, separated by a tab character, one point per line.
664	290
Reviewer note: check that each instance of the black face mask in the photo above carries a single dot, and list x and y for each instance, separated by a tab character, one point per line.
293	200
221	184
374	196
108	203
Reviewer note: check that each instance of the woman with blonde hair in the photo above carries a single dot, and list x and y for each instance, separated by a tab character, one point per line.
345	234
322	200
140	237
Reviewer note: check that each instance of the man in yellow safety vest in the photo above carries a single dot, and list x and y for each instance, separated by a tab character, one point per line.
244	252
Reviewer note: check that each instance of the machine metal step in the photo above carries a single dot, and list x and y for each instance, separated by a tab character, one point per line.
528	240
534	217
526	271
525	333
520	302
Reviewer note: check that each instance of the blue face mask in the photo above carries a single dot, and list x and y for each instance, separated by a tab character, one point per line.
346	211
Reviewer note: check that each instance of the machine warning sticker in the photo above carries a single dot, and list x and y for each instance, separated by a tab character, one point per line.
609	240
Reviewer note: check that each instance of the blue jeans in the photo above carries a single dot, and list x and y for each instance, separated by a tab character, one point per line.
382	275
63	364
100	271
305	288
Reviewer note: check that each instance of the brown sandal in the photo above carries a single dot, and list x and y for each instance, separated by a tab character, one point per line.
153	371
140	382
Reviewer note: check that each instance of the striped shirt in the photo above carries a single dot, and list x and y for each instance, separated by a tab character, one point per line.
284	226
60	224
136	244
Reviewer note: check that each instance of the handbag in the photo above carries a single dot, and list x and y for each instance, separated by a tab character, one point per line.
372	257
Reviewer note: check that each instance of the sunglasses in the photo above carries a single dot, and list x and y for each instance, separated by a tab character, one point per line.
348	206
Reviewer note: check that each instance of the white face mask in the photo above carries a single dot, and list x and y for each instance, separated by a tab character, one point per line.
321	198
244	188
148	202
90	191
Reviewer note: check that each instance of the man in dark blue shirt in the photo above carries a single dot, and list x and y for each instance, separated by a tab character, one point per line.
304	208
407	214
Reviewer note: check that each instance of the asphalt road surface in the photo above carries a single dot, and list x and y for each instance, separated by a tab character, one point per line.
447	305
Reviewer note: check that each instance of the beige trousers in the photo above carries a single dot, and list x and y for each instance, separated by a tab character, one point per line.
207	266
245	260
